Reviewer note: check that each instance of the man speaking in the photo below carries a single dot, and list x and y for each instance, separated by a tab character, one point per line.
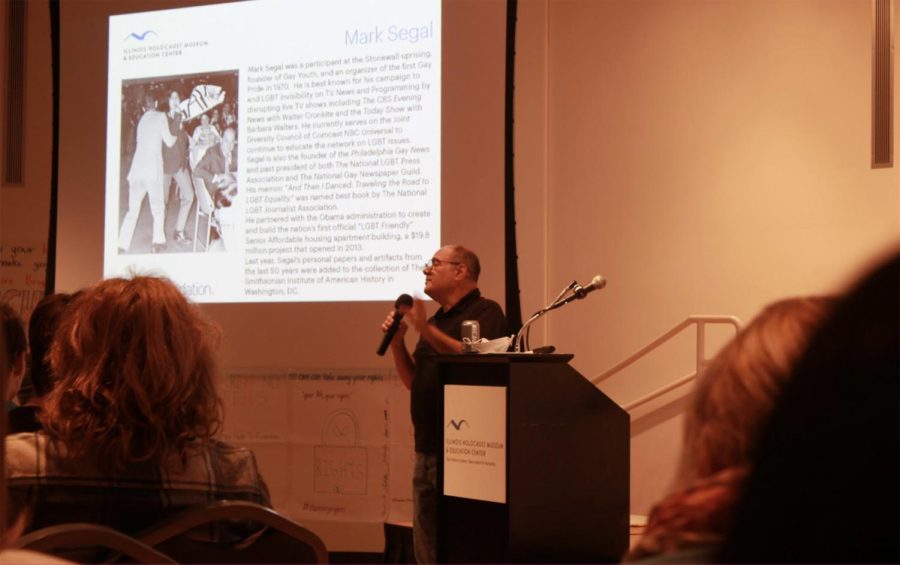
451	279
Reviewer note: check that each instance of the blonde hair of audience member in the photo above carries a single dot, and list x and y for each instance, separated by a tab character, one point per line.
735	395
135	366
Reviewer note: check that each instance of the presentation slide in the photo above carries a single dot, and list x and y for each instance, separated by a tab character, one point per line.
275	150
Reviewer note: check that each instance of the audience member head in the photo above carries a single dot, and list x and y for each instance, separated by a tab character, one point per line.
825	487
732	401
12	351
204	120
135	368
735	395
45	318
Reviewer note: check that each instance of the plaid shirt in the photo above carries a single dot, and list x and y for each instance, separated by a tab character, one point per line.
52	489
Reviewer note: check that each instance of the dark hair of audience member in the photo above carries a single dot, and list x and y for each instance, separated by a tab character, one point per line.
826	484
736	393
13	332
45	318
136	368
12	342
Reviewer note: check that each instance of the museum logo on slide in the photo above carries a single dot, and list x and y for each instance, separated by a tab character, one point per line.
140	36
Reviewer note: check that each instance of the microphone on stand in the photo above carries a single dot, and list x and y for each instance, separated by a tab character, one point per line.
405	302
577	293
596	283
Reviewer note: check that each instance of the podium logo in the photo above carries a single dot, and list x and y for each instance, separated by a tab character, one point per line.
458	425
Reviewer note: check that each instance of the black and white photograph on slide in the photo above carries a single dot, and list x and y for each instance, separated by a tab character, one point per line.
178	175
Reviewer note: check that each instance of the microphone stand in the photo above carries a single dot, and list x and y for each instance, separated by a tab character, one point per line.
521	338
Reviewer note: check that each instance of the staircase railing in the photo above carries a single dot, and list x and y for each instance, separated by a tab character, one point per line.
700	322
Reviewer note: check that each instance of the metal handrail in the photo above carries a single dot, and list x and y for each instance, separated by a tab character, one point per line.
700	322
660	391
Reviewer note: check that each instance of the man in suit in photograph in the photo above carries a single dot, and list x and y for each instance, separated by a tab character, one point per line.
145	177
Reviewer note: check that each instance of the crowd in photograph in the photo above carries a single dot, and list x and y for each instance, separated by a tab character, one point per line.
187	138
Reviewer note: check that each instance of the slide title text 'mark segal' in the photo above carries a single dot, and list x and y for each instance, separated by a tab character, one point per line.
391	34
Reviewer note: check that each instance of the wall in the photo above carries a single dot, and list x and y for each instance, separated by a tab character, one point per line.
24	209
707	158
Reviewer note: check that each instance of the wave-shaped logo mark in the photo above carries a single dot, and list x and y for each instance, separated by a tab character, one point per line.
458	425
140	36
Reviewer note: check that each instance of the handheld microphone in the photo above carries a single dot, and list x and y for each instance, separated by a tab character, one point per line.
596	283
404	301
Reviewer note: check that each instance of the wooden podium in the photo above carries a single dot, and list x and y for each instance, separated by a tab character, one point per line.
534	465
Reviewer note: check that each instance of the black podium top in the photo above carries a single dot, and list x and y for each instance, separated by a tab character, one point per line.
505	358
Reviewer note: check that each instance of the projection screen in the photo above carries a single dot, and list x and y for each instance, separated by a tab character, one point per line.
304	162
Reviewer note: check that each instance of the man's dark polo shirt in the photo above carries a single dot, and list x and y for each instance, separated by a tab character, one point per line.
424	396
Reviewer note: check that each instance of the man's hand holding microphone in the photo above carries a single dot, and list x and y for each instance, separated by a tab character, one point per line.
395	326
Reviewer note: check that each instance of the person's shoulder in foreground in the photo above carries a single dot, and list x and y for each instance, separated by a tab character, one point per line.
211	470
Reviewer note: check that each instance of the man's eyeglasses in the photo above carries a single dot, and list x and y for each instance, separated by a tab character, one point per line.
435	262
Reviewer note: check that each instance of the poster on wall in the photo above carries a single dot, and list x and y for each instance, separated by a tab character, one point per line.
402	456
322	439
23	273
